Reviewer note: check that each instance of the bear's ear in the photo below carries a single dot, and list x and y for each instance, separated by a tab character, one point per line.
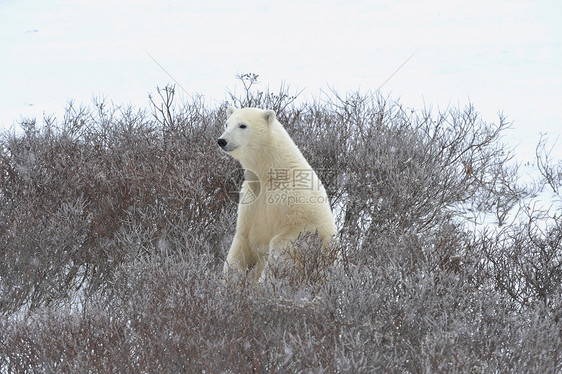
229	111
269	116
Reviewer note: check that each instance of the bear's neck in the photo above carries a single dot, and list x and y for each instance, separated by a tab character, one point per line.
279	154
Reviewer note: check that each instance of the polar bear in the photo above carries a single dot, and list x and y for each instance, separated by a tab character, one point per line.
281	196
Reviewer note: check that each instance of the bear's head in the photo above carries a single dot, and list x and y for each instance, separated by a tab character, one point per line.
247	132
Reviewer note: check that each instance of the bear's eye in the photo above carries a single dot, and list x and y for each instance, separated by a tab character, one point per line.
242	126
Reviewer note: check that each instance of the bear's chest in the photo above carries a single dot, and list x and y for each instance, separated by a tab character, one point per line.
263	214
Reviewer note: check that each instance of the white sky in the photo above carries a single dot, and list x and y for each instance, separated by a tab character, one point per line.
502	55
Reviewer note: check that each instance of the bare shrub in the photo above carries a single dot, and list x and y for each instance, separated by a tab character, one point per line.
526	260
550	171
114	224
75	195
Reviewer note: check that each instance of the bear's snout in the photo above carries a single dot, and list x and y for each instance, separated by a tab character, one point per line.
227	145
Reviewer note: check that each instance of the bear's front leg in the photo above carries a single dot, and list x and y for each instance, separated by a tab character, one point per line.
239	258
280	254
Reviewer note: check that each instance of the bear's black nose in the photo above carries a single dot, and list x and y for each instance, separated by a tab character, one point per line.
222	142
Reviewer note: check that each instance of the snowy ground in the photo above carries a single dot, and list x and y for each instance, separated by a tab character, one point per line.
502	55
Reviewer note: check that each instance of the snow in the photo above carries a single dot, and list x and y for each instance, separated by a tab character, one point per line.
502	55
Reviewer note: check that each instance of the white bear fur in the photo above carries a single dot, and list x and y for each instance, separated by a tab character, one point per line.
266	227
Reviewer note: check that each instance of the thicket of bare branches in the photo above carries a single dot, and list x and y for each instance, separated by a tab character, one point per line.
114	223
